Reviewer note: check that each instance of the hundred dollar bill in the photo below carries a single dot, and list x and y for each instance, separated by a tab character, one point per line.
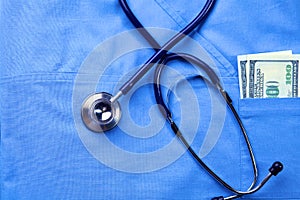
243	68
274	78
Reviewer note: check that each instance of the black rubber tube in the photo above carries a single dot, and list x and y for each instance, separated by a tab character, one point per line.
166	47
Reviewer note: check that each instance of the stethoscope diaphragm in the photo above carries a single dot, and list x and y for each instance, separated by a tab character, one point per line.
99	114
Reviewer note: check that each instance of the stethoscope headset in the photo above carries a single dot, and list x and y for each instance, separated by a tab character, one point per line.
96	105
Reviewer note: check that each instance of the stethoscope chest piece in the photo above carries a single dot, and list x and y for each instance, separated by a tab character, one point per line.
99	114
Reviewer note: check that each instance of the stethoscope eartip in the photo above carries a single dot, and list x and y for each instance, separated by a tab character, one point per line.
99	114
276	168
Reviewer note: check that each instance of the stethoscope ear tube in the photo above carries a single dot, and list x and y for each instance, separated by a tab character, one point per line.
274	169
213	78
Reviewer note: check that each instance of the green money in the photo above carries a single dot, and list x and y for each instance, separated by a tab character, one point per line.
273	78
243	68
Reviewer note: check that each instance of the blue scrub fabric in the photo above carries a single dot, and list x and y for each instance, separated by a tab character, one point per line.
43	45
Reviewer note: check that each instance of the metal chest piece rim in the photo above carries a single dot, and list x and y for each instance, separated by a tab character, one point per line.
99	114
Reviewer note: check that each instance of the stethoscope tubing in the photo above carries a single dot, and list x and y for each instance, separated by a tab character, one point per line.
215	80
157	47
161	57
161	52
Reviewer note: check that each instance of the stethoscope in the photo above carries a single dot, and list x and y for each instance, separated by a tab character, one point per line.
101	111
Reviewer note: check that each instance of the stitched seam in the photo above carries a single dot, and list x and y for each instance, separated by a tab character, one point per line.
209	47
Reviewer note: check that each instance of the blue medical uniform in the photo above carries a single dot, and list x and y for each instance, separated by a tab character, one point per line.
44	43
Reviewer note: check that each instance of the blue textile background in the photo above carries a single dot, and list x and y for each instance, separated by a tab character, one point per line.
43	44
